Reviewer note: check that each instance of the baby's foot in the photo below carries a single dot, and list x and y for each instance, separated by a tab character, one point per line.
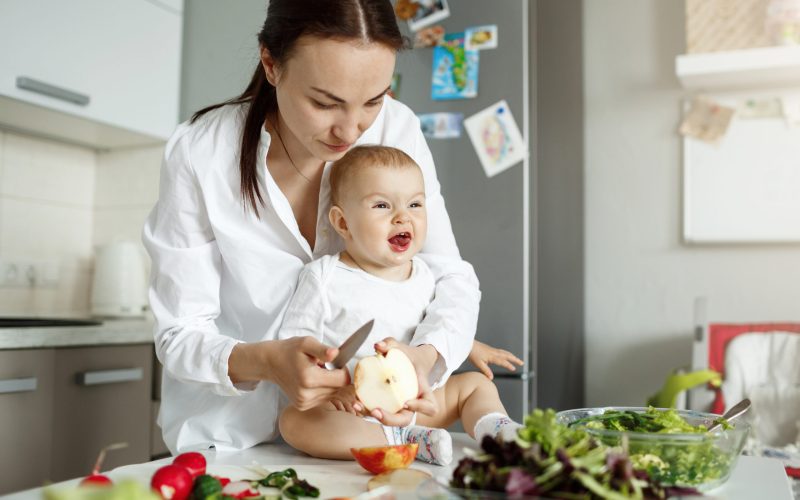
435	445
496	425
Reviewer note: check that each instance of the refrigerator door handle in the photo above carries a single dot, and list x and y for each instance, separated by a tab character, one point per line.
514	375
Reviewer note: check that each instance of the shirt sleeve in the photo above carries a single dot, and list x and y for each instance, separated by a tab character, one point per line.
185	277
452	317
307	309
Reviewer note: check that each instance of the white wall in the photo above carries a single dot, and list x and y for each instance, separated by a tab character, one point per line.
641	280
126	190
57	202
46	203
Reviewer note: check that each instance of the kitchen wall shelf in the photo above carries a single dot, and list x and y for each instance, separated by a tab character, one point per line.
740	69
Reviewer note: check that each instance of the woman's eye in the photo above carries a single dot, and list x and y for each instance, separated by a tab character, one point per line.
372	104
322	105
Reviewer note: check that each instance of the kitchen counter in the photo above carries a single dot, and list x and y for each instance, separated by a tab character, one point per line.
112	331
753	477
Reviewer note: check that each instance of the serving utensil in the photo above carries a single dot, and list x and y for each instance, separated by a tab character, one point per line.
736	410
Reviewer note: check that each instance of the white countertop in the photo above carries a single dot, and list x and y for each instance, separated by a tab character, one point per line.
753	477
112	331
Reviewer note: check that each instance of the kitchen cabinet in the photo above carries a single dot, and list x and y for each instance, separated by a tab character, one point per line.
763	67
102	396
92	72
26	417
60	407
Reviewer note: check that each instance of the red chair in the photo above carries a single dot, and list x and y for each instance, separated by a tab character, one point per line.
709	351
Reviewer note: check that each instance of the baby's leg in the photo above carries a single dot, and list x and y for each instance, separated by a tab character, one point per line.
325	432
473	398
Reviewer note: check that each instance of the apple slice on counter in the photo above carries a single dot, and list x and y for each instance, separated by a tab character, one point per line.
379	459
386	381
400	480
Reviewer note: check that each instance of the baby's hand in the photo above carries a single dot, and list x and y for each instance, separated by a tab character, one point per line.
345	399
482	355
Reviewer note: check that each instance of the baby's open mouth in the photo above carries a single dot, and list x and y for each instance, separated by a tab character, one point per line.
400	241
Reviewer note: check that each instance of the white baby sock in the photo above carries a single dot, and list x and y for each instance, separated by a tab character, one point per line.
496	424
435	445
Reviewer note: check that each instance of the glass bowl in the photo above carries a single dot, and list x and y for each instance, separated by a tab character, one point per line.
702	461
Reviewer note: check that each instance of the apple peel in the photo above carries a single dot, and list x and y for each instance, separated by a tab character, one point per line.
379	459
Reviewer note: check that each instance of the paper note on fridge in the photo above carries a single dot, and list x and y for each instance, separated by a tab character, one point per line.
441	125
496	138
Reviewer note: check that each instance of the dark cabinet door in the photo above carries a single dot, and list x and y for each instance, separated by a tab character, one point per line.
26	418
102	396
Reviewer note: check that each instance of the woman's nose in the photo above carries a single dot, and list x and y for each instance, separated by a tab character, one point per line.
349	128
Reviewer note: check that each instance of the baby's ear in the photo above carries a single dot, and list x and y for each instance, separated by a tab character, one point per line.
336	216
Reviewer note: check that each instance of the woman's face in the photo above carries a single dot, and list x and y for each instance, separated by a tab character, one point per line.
329	92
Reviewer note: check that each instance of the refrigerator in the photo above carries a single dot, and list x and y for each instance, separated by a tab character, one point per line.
491	216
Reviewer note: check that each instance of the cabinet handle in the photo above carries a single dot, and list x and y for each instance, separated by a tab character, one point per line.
40	87
18	385
110	376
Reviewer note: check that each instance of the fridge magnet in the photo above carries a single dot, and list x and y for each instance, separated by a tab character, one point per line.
455	70
706	120
790	104
429	37
496	138
405	9
428	12
394	86
441	125
480	37
759	108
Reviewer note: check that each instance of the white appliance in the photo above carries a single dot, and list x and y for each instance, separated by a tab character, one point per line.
119	288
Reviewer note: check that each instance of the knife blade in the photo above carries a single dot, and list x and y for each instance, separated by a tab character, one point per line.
350	347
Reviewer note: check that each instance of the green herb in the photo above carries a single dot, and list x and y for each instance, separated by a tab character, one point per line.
289	484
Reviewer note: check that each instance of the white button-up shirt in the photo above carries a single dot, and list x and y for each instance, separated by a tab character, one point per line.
220	275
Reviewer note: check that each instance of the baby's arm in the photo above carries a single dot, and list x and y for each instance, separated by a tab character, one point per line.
482	355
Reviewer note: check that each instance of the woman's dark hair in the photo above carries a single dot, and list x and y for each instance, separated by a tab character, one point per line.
288	20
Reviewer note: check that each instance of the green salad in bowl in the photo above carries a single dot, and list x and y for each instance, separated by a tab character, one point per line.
673	446
548	459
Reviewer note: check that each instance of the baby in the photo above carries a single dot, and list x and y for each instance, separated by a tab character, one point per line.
378	208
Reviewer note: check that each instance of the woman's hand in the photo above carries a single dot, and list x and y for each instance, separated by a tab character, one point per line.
345	399
296	365
482	355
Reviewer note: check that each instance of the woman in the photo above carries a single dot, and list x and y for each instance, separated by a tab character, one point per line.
243	206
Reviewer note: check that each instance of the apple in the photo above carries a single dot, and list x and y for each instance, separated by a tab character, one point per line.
386	381
378	459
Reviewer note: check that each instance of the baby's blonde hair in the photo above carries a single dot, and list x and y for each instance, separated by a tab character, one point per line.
361	157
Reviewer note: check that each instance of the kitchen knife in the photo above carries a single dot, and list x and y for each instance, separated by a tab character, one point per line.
350	347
